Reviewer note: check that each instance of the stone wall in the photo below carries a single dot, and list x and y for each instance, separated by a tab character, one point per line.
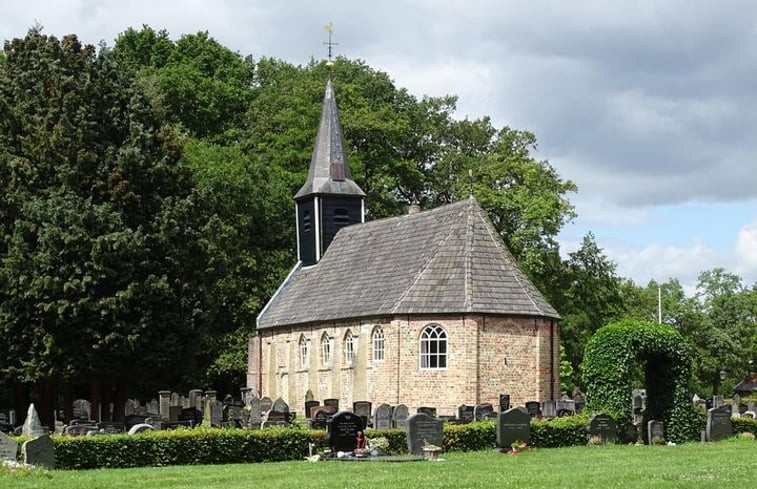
487	355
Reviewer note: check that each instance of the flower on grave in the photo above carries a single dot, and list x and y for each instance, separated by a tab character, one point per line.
379	443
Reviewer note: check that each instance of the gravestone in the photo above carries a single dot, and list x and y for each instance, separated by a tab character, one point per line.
255	411
717	401
280	406
140	428
195	398
749	414
8	448
309	408
309	396
382	418
32	427
174	413
565	407
111	427
216	412
173	425
232	416
131	407
133	420
342	431
331	404
400	414
483	411
274	418
504	402
362	408
78	429
513	425
549	409
655	429
39	452
604	427
423	430
751	406
719	426
153	408
428	411
465	414
82	409
533	408
265	404
629	433
320	420
5	424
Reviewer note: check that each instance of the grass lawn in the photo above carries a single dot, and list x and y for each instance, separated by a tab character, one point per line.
724	464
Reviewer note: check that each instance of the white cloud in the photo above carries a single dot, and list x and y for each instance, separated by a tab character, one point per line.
746	250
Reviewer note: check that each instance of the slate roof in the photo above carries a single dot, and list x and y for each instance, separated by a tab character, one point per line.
746	386
329	171
446	260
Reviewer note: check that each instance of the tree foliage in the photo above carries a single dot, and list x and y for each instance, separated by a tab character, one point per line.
102	243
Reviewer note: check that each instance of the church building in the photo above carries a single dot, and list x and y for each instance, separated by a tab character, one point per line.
425	309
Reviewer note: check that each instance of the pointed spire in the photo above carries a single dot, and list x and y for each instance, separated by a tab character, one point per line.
329	170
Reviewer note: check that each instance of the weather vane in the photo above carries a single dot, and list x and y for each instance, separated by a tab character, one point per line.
330	29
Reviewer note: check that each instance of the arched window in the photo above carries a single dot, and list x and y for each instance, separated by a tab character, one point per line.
304	357
326	348
432	347
349	348
378	344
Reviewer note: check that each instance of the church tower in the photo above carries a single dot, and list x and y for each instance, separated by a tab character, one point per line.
330	199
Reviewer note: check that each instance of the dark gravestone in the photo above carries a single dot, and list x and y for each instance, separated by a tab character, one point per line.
8	448
513	425
233	416
309	411
111	427
6	428
265	404
133	420
382	418
423	430
483	411
465	414
533	408
604	427
655	429
320	420
504	402
342	431
332	403
191	415
174	413
719	425
428	411
173	425
280	406
39	452
216	413
565	407
629	433
275	418
399	416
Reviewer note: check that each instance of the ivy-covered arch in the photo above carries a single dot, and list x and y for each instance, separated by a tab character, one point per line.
610	357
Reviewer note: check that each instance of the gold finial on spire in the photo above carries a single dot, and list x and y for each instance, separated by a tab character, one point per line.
330	29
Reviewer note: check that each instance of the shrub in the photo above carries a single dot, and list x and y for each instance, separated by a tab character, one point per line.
608	362
479	435
744	425
560	432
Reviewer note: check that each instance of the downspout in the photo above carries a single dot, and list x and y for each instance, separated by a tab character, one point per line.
552	359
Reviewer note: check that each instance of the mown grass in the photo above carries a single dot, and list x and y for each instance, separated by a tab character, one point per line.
725	464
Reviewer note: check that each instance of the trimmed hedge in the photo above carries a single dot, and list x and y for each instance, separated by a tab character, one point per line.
559	432
744	425
607	370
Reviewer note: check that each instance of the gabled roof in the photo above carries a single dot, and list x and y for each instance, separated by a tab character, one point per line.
748	385
446	260
329	172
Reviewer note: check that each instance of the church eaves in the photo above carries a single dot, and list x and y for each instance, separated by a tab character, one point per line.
446	260
329	171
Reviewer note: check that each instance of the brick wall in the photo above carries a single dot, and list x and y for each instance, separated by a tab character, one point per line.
487	355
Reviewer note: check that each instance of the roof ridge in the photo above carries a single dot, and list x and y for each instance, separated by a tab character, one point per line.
514	269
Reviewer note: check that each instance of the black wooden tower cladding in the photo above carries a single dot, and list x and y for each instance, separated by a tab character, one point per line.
330	199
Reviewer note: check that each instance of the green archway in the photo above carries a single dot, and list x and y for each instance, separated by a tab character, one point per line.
610	357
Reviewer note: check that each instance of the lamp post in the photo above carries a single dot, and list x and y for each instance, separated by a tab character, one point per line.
722	378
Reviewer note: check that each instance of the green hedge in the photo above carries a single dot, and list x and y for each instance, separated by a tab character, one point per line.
559	432
742	425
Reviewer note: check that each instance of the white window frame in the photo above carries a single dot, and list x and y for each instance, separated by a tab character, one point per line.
326	343
377	339
349	348
433	348
304	352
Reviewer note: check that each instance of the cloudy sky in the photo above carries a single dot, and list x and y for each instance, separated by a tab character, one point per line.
649	106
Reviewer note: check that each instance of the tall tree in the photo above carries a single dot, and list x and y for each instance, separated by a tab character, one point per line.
103	256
